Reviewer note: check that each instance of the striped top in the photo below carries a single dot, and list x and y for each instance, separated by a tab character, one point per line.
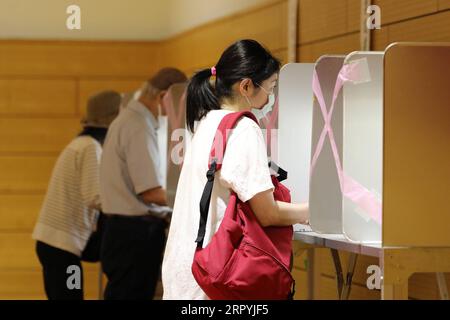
70	208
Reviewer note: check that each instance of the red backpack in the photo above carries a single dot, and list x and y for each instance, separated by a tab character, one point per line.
243	261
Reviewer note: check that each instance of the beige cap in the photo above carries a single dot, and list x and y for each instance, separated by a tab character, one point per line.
102	109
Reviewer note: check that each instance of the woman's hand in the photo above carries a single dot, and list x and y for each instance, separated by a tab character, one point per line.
277	213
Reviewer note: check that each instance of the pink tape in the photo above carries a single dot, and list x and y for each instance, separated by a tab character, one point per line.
350	188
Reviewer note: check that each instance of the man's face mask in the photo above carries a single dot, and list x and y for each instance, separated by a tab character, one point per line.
160	105
160	115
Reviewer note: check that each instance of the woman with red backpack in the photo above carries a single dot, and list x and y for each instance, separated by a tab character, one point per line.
230	239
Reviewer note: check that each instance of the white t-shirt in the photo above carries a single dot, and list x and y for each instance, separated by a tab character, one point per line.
244	170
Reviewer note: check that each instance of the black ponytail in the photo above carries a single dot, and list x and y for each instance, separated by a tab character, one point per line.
243	59
201	98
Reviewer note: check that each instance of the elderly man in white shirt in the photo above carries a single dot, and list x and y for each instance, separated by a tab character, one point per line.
130	186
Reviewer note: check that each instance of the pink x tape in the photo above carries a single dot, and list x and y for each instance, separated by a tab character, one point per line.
355	72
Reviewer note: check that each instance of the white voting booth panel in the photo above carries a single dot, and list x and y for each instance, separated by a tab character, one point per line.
325	197
363	145
176	135
294	129
162	145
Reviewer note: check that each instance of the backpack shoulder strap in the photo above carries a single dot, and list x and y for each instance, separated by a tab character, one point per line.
215	164
221	137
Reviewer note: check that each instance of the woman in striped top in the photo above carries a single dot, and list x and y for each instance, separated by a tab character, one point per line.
71	207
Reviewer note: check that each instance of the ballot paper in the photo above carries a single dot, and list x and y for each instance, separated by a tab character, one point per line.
302	228
162	212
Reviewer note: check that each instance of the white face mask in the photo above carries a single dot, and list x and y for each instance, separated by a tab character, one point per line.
262	112
162	119
159	111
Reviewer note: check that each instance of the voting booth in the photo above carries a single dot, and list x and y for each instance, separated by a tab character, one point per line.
416	149
353	99
379	173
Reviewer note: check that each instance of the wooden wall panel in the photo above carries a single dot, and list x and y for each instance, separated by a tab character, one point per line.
340	45
37	97
20	250
23	174
78	58
301	284
353	15
328	291
203	46
427	28
19	247
282	55
39	136
19	212
28	285
443	4
394	11
430	28
321	19
380	39
300	260
90	87
423	286
360	275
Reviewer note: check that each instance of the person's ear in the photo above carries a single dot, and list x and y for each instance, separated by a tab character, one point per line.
159	96
160	102
162	94
246	87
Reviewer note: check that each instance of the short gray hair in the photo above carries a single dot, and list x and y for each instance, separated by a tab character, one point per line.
163	80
